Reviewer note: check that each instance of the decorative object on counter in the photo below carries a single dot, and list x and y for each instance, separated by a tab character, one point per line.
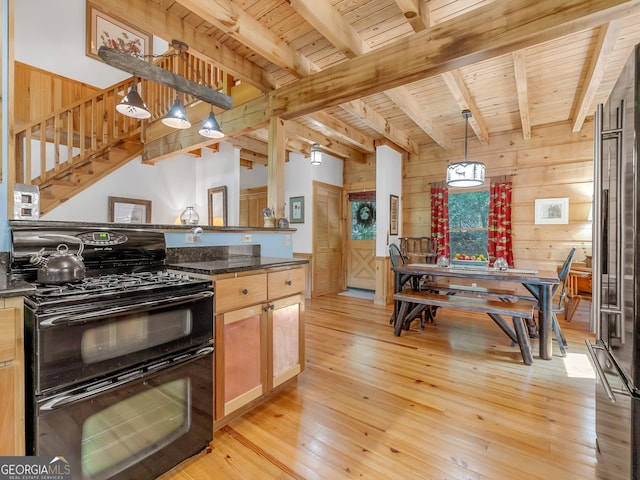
465	173
316	154
129	210
443	262
26	202
218	206
283	223
501	264
551	210
269	215
189	217
61	267
296	209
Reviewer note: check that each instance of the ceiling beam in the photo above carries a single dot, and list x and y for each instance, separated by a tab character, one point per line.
144	69
522	87
235	22
416	12
146	15
602	51
332	126
465	101
327	143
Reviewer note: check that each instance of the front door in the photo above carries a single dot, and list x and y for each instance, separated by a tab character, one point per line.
361	242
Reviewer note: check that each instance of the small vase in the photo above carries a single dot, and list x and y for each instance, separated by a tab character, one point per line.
269	222
189	217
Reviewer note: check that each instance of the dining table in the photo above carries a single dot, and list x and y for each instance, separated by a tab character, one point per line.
539	283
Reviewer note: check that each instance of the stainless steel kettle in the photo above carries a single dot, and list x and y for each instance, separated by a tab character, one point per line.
61	266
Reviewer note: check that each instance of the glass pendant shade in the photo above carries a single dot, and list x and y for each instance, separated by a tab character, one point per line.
211	128
176	117
466	173
316	155
189	217
132	105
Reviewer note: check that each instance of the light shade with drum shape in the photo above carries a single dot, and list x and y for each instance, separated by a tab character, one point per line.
316	154
465	173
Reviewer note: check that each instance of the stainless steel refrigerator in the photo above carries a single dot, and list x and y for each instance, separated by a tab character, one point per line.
616	261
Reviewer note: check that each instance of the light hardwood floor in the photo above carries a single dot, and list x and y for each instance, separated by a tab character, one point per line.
451	402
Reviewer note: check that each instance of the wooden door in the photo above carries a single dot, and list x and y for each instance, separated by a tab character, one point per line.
328	255
361	253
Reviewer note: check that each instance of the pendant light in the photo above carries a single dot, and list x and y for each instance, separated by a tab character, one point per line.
210	127
132	105
176	117
465	173
316	154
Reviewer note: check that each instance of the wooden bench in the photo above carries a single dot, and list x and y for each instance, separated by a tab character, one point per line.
419	300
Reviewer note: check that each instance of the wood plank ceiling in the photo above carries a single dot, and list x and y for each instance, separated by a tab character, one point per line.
515	64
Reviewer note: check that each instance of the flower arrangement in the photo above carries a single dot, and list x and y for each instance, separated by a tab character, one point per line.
269	212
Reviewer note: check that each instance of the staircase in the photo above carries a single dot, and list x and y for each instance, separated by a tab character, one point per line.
75	146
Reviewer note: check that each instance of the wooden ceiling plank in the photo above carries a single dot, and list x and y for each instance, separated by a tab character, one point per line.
465	101
347	133
607	38
522	88
146	15
238	24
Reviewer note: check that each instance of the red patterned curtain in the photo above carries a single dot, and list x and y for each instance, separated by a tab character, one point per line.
500	219
440	217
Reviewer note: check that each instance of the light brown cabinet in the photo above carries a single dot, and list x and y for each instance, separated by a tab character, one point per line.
11	377
259	337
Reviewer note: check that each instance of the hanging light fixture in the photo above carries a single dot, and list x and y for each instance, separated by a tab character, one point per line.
176	117
132	105
465	173
316	154
210	127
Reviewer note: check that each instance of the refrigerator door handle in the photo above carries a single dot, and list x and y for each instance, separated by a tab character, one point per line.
600	371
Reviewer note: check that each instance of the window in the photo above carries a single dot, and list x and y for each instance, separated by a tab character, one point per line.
468	222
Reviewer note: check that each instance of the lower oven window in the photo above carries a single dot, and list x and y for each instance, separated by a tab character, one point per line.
131	333
128	431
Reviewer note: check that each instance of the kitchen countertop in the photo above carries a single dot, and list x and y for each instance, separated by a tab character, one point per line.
14	288
235	264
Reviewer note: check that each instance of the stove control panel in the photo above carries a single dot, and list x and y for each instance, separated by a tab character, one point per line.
102	238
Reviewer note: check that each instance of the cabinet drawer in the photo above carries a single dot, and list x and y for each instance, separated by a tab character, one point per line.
286	282
234	293
7	334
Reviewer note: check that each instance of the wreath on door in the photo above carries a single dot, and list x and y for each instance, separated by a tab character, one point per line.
366	214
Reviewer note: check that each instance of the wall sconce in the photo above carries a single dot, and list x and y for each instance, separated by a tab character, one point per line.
316	154
465	173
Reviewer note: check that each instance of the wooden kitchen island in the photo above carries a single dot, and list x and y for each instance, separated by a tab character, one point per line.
258	327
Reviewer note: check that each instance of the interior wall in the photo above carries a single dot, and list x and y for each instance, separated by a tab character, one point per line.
554	163
388	182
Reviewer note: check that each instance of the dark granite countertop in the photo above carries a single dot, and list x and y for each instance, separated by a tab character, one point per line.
235	264
14	288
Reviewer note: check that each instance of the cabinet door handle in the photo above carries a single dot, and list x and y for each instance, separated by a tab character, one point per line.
245	291
288	282
266	308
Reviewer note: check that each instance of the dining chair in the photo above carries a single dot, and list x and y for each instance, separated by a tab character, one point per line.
397	259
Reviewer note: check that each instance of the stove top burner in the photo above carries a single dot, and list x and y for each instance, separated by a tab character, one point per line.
118	282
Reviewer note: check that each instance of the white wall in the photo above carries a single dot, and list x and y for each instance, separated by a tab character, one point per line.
388	182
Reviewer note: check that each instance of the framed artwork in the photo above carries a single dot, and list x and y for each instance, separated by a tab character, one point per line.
393	215
218	206
296	206
551	210
106	30
129	210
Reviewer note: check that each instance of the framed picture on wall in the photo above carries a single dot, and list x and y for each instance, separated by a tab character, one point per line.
296	206
394	204
218	206
129	210
551	210
106	30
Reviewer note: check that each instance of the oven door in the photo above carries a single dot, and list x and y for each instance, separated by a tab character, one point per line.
69	347
134	426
